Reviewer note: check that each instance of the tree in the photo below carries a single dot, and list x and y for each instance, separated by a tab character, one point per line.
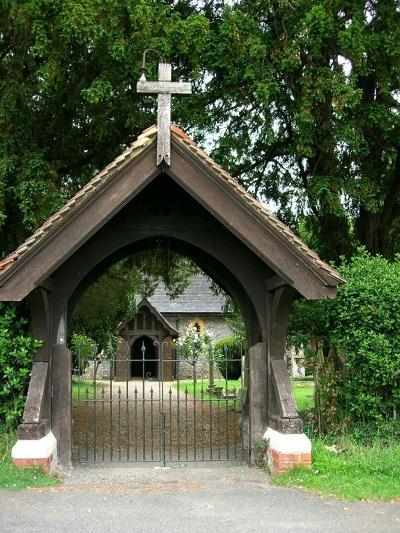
114	296
68	103
352	344
306	95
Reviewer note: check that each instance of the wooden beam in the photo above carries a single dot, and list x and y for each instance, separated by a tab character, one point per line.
164	87
274	282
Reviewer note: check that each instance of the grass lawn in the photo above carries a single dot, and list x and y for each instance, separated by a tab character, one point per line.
13	478
343	467
83	386
303	391
187	384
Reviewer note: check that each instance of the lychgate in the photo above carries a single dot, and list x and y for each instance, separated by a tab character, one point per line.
194	207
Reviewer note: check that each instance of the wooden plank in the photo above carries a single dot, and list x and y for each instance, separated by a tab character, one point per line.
258	392
33	412
164	87
164	118
61	406
283	389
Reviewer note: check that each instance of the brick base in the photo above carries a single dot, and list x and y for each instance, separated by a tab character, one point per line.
36	452
29	463
280	462
287	451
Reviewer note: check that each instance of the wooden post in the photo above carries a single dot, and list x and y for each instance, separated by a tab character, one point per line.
258	393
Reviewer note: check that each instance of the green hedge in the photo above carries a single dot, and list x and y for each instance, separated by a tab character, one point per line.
231	346
353	344
16	353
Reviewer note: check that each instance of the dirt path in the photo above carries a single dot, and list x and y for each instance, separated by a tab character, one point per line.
142	421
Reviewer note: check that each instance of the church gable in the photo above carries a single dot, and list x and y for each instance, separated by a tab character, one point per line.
149	320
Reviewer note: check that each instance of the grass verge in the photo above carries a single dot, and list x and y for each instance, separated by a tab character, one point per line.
349	470
351	467
13	478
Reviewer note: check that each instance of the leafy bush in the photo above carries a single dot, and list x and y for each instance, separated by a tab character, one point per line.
83	350
352	344
194	345
16	352
227	354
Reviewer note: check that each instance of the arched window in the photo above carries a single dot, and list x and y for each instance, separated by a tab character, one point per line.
198	324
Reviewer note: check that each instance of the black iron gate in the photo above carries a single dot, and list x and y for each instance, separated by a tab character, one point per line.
167	408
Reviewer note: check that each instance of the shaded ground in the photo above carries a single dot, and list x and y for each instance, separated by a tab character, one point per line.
138	420
212	499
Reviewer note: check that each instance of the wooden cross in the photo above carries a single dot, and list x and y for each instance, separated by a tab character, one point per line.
164	87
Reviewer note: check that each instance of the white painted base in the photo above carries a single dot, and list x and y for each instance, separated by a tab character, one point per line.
287	451
287	443
36	449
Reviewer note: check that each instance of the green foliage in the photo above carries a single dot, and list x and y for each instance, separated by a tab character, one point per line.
194	345
114	296
16	353
234	319
352	344
227	355
308	97
68	103
300	97
349	469
83	350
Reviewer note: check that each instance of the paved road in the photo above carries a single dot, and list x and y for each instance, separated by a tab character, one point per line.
225	499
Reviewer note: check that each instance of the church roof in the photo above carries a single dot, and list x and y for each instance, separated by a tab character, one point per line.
293	254
144	303
196	298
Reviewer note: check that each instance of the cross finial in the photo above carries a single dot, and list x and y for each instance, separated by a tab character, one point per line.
164	87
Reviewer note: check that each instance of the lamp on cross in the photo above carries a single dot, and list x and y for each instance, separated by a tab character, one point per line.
164	88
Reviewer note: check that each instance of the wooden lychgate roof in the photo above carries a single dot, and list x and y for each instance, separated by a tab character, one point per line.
35	259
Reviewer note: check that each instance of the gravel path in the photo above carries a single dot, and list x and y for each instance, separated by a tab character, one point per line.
233	499
130	427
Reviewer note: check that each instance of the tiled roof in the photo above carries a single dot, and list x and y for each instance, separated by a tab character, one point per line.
196	298
148	136
137	147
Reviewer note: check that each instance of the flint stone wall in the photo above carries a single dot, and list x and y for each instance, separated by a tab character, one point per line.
102	371
215	324
185	370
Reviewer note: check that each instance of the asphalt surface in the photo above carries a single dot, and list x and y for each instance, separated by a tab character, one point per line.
184	498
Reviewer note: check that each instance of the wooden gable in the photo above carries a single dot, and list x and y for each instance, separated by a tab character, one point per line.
294	264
